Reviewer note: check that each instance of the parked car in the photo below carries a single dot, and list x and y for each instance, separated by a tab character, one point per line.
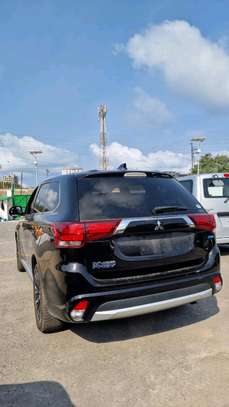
105	245
212	191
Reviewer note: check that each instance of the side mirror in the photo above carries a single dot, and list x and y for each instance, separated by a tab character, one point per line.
16	211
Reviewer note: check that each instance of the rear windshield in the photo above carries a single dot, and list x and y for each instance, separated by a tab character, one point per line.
125	197
188	184
216	187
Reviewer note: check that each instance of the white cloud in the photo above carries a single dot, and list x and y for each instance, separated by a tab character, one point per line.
150	110
14	153
191	64
223	42
135	159
117	48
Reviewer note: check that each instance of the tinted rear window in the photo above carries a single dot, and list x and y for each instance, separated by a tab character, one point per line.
216	187
122	197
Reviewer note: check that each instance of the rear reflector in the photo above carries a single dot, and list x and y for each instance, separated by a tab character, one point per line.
204	221
81	306
78	310
217	281
75	235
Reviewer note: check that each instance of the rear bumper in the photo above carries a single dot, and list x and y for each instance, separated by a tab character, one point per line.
104	314
122	303
74	284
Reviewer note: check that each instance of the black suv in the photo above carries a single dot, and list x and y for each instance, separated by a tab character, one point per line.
101	245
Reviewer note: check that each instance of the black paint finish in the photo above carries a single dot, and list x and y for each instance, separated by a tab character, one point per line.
147	262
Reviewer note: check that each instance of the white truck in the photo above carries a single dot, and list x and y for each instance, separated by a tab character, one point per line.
212	191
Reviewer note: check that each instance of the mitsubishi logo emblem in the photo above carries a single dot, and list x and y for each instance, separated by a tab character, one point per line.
159	226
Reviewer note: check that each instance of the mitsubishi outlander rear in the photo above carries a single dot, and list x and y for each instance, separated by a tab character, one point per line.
104	245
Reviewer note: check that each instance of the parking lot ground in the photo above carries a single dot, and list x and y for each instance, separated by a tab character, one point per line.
172	358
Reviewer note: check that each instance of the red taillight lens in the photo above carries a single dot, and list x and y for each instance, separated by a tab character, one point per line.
99	230
75	235
217	281
226	175
69	234
79	310
81	306
204	221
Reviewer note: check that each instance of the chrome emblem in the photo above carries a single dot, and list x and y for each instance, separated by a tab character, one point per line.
159	226
103	264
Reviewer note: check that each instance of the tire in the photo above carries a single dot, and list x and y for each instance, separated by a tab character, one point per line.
18	255
46	323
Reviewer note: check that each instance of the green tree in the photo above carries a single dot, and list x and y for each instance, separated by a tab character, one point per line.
210	163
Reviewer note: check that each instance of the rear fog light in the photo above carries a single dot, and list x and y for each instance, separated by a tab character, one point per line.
217	281
78	310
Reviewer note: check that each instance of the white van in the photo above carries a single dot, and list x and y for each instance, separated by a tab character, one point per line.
212	191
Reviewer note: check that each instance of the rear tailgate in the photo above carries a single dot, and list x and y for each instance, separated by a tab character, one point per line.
150	249
144	245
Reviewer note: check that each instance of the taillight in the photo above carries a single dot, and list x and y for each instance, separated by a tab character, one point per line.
99	230
204	221
75	235
69	234
226	175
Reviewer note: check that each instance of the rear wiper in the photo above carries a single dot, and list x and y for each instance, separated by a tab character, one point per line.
161	209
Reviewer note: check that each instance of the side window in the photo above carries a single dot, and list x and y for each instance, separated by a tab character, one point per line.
30	202
47	198
216	187
188	184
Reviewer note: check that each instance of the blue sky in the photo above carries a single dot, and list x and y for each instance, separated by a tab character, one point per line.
59	60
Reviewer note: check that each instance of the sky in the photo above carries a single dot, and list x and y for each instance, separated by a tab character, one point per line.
162	67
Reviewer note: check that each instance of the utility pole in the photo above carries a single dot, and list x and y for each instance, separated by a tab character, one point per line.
21	182
102	111
196	150
2	179
34	154
192	155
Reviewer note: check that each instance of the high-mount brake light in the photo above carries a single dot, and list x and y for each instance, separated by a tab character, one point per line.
204	221
135	174
75	235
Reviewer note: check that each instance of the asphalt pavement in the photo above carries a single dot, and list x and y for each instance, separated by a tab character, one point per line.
173	358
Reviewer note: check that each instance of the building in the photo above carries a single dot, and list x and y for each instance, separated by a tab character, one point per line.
8	180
